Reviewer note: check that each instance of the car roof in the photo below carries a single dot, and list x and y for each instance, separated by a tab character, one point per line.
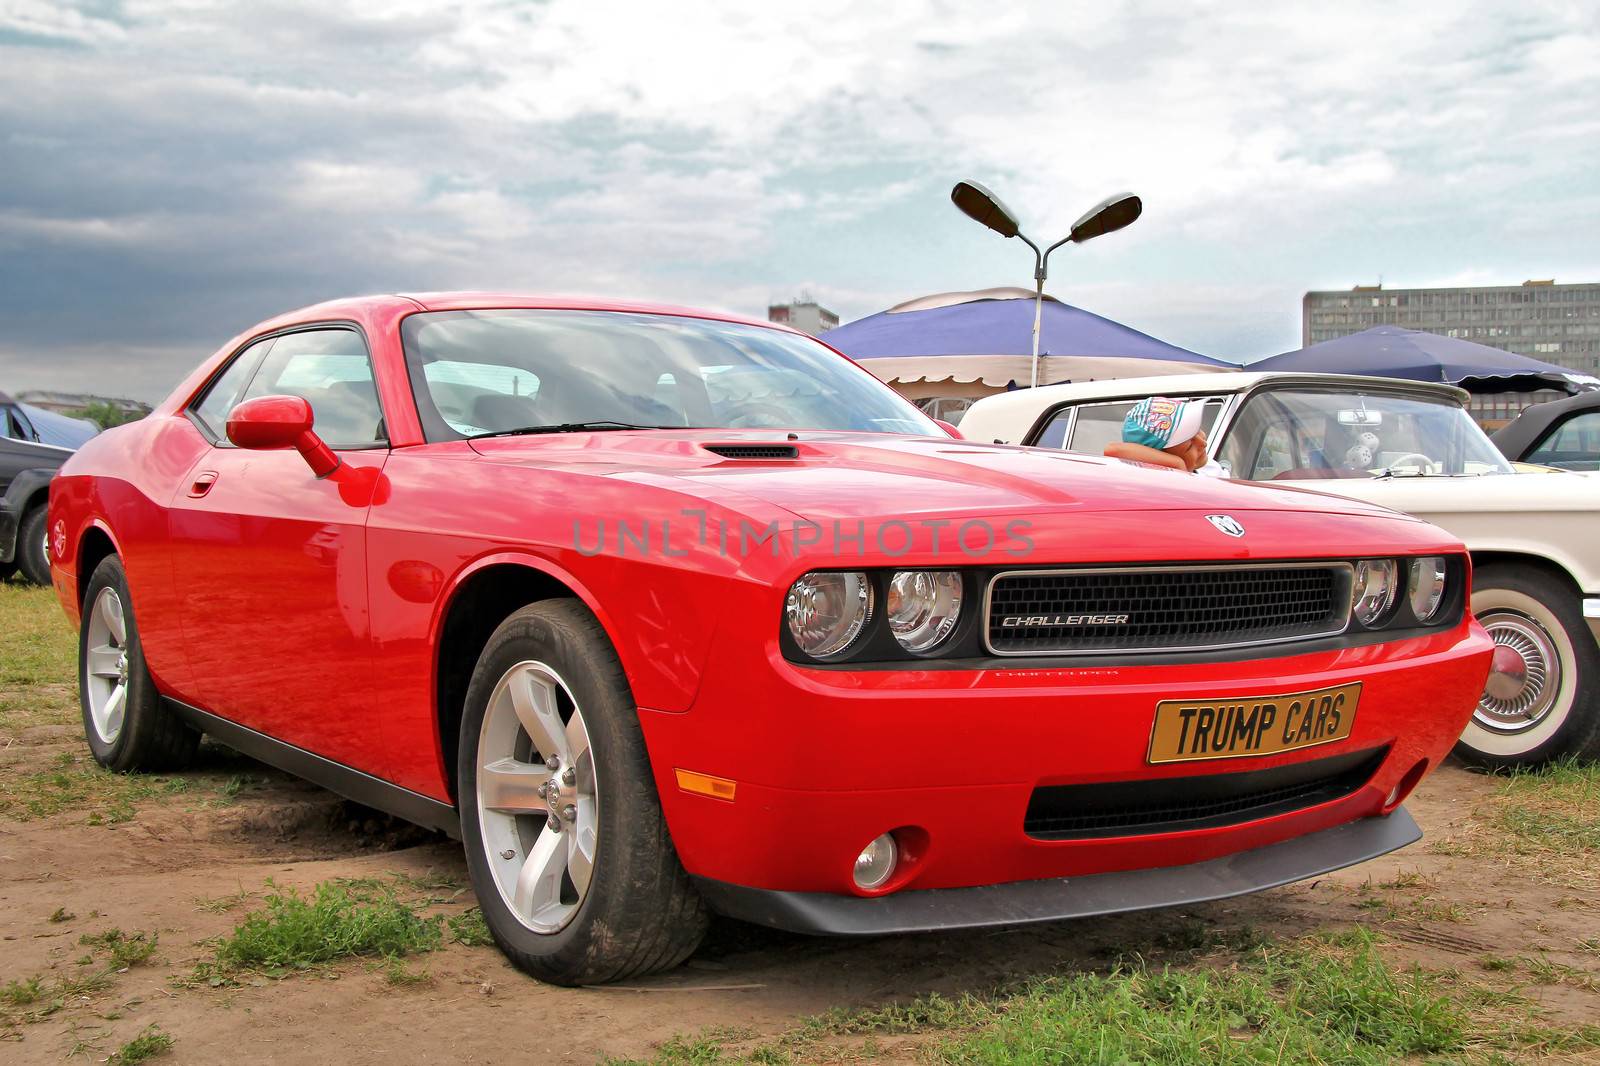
1028	403
1531	424
486	300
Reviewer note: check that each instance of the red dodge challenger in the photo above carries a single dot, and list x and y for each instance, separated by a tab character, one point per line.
665	613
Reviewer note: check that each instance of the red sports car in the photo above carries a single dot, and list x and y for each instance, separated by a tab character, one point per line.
665	612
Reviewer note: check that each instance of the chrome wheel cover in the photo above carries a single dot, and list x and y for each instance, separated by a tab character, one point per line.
1525	677
538	800
105	665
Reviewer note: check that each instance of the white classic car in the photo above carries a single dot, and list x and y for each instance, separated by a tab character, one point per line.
1534	533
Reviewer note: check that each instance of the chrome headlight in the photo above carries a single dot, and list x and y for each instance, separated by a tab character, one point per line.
827	610
1373	591
1427	586
923	607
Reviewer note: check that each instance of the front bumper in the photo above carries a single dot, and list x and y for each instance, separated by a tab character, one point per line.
1022	902
1591	614
825	761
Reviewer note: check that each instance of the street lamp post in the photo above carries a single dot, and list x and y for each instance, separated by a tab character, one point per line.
1108	216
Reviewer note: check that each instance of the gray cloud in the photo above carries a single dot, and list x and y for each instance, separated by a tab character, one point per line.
173	172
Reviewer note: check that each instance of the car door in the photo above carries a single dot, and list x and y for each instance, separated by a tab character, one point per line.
271	560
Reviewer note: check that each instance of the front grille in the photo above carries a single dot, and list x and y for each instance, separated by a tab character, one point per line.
754	451
1176	804
1164	608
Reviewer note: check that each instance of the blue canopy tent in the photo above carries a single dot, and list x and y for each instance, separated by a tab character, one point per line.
1396	352
984	340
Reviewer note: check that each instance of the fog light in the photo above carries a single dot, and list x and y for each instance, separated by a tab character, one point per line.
876	863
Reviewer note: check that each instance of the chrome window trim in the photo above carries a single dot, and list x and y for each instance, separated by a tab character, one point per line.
1343	567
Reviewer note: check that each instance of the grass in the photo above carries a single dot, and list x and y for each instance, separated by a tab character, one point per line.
23	993
39	707
34	999
1318	999
123	949
293	932
1543	823
75	782
1555	810
398	974
38	656
150	1042
469	929
38	653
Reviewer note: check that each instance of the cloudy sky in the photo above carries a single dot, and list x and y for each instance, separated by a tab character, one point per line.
171	172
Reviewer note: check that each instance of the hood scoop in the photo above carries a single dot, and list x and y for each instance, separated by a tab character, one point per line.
767	452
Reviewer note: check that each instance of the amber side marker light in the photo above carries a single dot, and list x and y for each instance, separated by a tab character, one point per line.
706	785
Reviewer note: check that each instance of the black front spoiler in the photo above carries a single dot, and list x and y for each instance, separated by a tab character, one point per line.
1021	902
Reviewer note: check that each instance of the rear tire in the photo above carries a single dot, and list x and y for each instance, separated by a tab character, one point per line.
33	558
124	720
1542	699
565	841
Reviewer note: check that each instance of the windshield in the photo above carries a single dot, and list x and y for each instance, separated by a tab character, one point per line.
498	371
1303	434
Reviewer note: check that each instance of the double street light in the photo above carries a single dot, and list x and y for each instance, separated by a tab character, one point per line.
1108	216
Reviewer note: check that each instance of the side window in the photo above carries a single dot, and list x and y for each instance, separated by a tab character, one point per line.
1054	434
330	369
1575	444
1098	424
223	394
11	424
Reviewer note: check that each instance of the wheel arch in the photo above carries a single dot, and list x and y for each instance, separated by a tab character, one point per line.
482	596
1530	560
95	543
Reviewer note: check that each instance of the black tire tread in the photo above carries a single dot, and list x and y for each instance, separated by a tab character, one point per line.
29	558
666	919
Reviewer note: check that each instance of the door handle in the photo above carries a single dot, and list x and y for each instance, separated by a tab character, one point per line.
202	483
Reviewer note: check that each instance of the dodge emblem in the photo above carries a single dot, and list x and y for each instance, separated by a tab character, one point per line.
1227	524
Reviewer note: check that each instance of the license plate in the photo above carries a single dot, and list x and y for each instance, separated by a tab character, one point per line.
1240	726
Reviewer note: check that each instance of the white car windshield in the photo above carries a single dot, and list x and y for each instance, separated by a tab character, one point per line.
1307	434
514	371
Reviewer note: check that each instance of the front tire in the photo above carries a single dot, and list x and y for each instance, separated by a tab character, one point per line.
1541	701
33	557
565	841
124	720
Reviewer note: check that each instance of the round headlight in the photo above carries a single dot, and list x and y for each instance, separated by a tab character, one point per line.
1374	590
827	610
923	607
1427	586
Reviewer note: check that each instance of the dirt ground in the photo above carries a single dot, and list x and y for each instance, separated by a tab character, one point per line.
1504	889
186	867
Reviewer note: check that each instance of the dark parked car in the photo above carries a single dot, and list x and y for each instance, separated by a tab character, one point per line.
1563	433
33	444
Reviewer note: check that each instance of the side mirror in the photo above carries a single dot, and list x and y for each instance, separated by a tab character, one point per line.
949	427
270	423
1107	216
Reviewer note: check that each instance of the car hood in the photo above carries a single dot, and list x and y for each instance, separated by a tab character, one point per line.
865	475
1529	491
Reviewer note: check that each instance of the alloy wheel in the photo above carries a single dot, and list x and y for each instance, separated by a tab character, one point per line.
538	799
106	665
